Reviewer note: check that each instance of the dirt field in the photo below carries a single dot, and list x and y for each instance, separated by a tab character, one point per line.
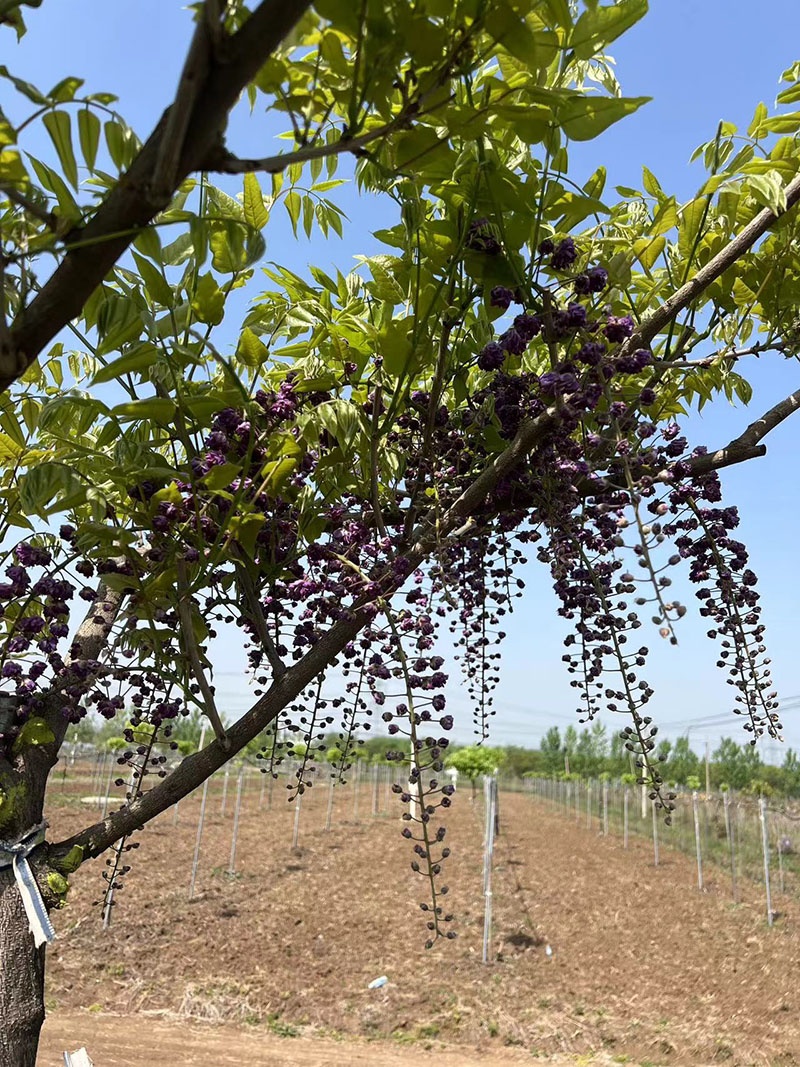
644	968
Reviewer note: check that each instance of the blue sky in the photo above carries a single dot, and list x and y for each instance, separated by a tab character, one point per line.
701	61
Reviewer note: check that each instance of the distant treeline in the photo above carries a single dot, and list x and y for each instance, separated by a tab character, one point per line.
588	753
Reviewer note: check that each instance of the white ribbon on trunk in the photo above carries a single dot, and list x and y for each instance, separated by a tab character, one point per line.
15	854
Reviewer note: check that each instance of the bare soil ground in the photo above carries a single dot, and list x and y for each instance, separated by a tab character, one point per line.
135	1041
644	968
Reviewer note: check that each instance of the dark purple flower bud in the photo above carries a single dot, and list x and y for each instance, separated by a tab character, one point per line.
501	297
492	357
528	326
546	247
618	327
591	354
564	255
66	532
446	722
582	285
598	279
576	315
647	396
513	342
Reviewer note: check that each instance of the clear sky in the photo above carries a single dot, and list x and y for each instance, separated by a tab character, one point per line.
701	61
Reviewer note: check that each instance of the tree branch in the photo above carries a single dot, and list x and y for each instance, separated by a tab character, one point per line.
34	209
135	201
260	623
193	653
747	445
194	73
715	267
226	163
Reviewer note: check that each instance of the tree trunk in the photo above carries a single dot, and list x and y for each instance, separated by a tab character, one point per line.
22	980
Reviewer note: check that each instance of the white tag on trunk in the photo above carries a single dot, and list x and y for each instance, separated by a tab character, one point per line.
15	854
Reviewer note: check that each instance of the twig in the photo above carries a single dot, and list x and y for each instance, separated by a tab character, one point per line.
373	459
224	162
719	357
38	212
260	623
193	652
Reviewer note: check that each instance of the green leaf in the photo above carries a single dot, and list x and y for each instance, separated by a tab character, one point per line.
769	190
757	128
160	408
89	135
783	123
254	211
221	476
24	87
34	731
155	283
648	249
293	204
44	482
651	184
342	420
65	89
251	350
70	413
208	302
246	528
67	206
139	359
58	126
12	169
535	48
234	246
584	117
597	182
601	25
10	451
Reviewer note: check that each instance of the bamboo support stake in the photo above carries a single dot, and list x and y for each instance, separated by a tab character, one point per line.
698	849
762	808
235	835
196	857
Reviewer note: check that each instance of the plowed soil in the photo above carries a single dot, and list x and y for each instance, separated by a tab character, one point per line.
595	951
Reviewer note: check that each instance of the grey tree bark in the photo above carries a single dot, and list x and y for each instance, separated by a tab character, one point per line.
22	985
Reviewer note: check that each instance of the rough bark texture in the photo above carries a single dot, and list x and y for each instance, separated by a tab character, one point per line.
22	985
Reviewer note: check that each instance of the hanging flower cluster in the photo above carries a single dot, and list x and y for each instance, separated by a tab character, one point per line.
244	533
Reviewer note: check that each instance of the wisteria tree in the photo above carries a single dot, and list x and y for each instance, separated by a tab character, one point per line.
360	474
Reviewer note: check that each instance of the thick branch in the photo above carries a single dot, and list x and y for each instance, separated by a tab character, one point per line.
193	75
716	266
134	201
748	444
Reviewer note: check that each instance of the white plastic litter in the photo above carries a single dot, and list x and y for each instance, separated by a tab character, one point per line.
548	951
77	1059
378	982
